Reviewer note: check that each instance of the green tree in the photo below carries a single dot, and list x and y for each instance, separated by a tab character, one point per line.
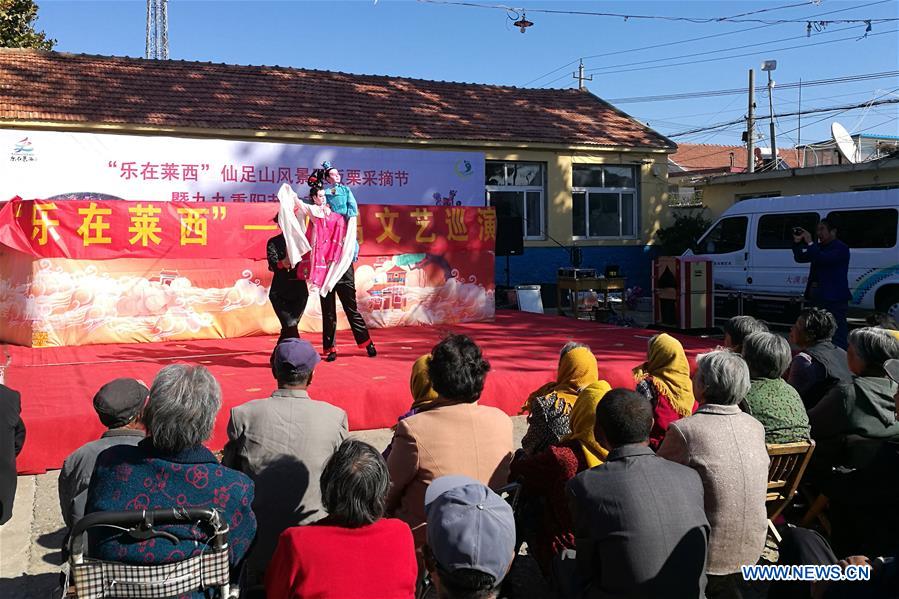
686	230
17	26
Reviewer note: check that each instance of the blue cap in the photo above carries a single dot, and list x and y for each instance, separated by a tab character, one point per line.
294	354
469	526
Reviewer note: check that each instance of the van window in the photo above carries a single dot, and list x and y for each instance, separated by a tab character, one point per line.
866	228
728	235
776	230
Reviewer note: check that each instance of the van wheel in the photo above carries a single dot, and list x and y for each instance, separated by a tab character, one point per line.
890	304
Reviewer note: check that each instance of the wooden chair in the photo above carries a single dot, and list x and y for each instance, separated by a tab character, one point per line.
787	465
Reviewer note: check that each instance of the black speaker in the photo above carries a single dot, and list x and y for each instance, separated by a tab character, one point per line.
509	236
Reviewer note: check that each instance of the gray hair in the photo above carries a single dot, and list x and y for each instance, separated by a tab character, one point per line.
740	327
570	346
184	401
874	346
354	484
767	355
724	377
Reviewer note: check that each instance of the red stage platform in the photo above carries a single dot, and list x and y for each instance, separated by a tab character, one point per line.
57	384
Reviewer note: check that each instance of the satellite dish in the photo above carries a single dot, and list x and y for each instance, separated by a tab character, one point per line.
844	141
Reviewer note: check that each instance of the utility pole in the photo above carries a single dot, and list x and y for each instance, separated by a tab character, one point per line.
771	108
750	124
799	131
581	77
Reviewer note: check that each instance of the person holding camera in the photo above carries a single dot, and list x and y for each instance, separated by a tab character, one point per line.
828	276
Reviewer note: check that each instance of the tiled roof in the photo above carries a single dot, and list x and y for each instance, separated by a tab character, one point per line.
715	158
51	86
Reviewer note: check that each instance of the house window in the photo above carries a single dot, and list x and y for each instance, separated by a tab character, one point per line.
604	201
518	189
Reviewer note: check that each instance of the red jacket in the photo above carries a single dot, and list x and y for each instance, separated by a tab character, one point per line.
332	562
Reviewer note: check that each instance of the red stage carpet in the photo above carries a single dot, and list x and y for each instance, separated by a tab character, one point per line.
57	384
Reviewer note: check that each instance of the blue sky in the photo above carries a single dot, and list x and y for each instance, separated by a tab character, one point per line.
455	43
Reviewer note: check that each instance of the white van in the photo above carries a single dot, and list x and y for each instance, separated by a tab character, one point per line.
751	245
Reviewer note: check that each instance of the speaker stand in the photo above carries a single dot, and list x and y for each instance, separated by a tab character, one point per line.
508	273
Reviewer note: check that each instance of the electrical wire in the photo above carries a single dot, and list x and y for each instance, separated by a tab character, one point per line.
760	88
702	38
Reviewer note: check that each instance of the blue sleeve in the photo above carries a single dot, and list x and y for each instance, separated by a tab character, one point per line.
829	257
352	208
800	253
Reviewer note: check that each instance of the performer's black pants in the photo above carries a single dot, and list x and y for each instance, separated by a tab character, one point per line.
345	289
289	300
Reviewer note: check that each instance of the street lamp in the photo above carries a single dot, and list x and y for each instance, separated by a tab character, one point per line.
768	66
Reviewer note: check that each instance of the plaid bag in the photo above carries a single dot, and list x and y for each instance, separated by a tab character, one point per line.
95	579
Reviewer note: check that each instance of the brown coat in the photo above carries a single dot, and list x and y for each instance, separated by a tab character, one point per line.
467	439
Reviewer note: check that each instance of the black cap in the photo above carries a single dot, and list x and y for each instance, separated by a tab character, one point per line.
119	401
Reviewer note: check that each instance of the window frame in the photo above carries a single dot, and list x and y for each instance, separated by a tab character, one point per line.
794	215
524	190
620	191
746	236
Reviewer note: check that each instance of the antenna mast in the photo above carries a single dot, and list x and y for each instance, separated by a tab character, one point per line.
158	29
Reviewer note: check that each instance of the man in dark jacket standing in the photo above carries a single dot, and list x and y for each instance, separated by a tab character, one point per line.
12	438
288	292
828	276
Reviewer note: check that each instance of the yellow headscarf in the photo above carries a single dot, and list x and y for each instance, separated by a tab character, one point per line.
420	383
893	333
577	369
583	419
670	371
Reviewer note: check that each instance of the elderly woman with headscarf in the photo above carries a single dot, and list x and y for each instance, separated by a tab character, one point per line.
771	400
543	476
548	407
171	468
664	379
854	419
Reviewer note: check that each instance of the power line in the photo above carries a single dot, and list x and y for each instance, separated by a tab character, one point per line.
742	90
693	39
766	51
697	20
785	114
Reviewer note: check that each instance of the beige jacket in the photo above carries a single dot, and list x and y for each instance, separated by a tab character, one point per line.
466	439
727	448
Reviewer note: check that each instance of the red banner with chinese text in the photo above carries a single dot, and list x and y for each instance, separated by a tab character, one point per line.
417	266
102	230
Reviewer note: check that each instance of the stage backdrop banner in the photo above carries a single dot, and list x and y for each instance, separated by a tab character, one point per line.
417	266
68	165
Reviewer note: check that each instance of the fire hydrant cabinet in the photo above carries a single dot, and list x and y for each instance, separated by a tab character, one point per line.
682	292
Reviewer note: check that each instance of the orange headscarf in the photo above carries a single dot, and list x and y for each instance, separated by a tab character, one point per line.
670	371
577	369
583	420
423	393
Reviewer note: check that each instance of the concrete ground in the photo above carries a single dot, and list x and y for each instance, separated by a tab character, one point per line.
30	558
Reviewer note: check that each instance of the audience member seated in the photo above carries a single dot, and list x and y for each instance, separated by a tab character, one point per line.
737	328
640	526
287	437
664	379
864	502
458	436
12	440
171	468
548	406
354	551
727	448
771	400
884	321
851	422
423	395
804	547
118	404
820	365
470	541
543	478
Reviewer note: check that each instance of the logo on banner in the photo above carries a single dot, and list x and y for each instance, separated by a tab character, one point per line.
464	168
23	151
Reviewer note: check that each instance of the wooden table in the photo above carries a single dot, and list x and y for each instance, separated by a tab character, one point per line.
599	284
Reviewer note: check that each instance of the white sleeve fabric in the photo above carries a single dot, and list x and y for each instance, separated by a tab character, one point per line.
338	268
294	229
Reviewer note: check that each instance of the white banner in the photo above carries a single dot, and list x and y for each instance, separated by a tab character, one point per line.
61	165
